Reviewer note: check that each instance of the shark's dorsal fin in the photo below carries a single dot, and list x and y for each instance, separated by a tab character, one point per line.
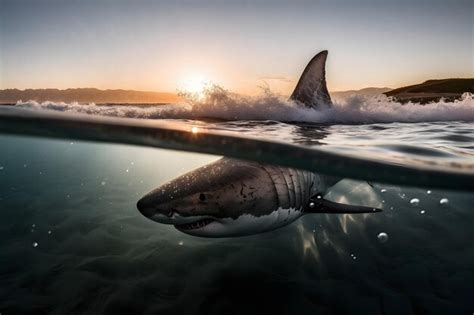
321	205
311	89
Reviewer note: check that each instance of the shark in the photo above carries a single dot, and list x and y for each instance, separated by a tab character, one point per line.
232	197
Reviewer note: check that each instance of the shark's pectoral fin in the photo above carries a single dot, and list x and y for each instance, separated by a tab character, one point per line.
320	205
311	89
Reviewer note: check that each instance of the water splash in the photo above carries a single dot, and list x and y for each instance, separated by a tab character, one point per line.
217	103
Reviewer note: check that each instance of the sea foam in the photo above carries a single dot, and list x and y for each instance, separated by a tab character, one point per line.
218	103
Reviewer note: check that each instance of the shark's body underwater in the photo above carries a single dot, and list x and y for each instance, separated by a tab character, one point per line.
232	197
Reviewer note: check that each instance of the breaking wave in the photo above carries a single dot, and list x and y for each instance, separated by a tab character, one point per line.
218	103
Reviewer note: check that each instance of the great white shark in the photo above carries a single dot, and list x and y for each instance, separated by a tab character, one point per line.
233	197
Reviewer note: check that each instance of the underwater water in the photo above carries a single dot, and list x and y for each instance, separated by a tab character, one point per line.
73	241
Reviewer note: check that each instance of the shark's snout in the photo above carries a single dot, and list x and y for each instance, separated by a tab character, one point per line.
146	207
151	206
160	206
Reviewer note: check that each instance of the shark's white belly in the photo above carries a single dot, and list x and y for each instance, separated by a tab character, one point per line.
251	224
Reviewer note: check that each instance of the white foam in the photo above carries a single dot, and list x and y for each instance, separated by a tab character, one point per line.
218	103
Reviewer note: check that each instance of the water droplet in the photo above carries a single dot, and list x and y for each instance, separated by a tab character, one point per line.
443	201
180	243
383	237
103	183
428	192
415	201
312	204
383	190
49	232
35	244
422	211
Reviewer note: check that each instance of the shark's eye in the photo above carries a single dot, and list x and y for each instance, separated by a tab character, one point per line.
202	197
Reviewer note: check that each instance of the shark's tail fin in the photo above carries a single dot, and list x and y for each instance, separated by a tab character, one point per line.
311	89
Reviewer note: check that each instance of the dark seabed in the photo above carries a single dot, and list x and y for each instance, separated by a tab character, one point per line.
72	240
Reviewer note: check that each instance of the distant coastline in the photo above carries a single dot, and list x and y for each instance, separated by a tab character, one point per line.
88	95
433	90
428	91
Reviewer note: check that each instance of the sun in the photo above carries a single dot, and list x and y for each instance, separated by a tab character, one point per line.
194	84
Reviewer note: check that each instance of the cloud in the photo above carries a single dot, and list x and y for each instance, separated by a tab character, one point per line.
282	79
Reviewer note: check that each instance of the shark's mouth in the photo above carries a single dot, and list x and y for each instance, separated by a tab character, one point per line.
194	225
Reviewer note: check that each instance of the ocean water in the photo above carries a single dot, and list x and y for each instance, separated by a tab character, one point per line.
73	242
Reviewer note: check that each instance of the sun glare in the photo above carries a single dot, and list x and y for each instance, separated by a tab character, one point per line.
195	84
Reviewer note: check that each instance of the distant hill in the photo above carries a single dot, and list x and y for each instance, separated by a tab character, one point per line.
86	95
370	91
433	90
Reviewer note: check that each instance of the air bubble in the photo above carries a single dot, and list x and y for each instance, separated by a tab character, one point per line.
422	211
443	201
383	190
312	204
35	244
382	237
180	243
103	183
415	201
428	192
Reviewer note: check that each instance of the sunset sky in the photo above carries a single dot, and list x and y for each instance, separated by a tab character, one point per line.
164	45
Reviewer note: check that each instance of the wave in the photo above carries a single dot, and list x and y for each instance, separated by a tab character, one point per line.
218	103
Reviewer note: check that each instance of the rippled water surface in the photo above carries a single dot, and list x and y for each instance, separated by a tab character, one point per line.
73	242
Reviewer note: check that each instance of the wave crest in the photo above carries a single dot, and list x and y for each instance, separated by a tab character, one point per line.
218	103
